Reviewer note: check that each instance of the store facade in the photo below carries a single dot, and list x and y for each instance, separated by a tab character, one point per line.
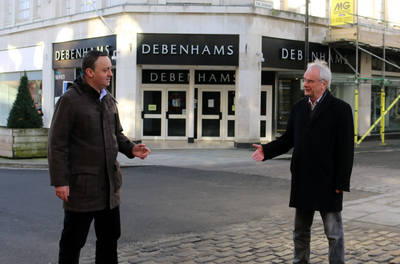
233	77
176	106
286	60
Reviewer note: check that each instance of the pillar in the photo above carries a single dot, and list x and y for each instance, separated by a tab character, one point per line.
247	91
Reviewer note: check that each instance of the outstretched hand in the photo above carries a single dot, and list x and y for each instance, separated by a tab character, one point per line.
258	155
141	151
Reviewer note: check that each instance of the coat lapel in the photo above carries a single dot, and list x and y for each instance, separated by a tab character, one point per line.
325	104
305	113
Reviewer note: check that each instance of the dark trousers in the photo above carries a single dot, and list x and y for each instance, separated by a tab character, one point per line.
107	226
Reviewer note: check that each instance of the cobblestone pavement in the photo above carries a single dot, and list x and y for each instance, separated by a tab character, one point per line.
265	241
372	228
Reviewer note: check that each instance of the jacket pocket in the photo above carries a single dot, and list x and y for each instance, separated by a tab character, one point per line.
117	177
84	182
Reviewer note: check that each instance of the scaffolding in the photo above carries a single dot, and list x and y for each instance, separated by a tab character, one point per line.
345	38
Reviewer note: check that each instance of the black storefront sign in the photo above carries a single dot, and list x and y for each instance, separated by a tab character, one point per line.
187	49
289	54
215	77
165	76
183	77
69	54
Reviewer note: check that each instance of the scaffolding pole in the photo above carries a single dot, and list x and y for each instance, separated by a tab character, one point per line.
378	120
383	82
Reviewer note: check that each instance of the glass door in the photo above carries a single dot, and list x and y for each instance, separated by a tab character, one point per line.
210	114
152	114
230	128
266	113
176	113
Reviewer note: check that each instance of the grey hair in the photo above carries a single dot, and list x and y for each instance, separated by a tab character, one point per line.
324	71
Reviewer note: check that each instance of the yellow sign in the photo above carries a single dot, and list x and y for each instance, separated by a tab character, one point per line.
340	12
152	107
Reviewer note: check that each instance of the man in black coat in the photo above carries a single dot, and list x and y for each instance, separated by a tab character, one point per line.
320	130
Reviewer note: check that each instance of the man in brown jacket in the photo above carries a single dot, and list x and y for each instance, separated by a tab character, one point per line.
84	139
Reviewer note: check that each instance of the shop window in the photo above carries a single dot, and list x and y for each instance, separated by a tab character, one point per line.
263	128
176	128
152	127
61	78
9	83
231	102
284	103
210	127
290	90
231	128
392	119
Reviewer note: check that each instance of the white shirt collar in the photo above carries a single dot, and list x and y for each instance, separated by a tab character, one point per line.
315	103
103	93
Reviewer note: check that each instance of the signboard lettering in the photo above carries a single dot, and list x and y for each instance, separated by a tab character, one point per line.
73	54
187	49
289	54
69	54
182	77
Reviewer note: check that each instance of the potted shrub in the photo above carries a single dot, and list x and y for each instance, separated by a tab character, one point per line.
24	136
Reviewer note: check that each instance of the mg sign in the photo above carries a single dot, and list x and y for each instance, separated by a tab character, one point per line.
341	11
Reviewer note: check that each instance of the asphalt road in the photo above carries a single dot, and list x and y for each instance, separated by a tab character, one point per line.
158	202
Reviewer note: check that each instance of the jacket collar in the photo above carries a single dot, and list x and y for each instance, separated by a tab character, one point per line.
325	104
82	87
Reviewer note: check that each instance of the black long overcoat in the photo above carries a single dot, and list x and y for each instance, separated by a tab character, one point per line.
323	150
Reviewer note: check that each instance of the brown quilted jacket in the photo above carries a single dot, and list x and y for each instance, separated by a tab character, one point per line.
84	139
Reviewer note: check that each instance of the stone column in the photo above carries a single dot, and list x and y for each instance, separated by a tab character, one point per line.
128	82
364	95
247	91
48	101
190	108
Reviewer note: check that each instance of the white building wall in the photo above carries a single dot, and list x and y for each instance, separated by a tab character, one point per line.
126	21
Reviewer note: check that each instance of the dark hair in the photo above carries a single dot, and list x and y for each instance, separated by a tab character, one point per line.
90	58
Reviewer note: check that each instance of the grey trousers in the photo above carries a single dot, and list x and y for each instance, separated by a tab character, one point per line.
333	230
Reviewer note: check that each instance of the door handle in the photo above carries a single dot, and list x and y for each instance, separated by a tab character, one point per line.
166	115
142	114
220	115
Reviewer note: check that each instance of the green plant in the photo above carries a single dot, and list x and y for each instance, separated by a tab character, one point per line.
23	113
